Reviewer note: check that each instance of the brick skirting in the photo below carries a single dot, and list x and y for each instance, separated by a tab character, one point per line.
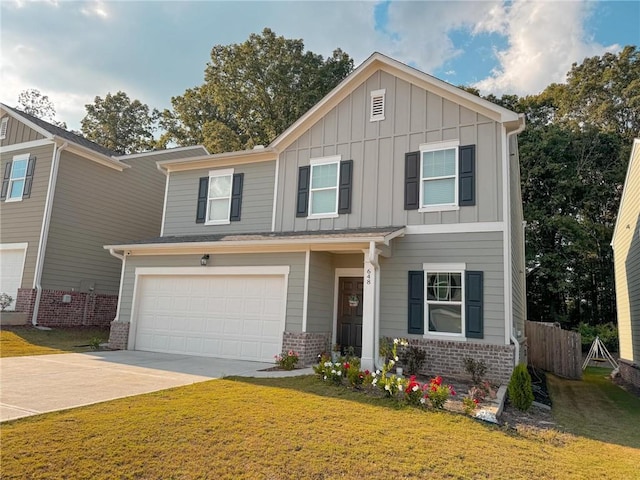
630	372
119	335
308	345
84	309
447	358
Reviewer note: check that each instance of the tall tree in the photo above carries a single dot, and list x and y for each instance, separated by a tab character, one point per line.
120	124
33	102
252	92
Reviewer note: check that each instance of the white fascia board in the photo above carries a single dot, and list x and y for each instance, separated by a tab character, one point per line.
474	227
92	155
26	145
163	152
27	122
636	146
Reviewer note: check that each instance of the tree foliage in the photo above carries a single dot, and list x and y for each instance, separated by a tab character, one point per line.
33	102
120	124
252	92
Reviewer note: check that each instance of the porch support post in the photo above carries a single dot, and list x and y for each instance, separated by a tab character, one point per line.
371	270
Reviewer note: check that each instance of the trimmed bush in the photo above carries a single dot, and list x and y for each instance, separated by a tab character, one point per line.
520	390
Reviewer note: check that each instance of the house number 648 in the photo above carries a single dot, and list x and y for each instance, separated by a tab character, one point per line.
368	276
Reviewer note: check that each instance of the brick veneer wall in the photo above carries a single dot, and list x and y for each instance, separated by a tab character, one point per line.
119	335
630	372
308	345
447	358
84	308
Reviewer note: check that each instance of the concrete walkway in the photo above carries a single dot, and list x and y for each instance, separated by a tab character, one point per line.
45	383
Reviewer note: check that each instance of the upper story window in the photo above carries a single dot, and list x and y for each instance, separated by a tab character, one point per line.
219	196
4	124
18	178
324	186
377	105
439	175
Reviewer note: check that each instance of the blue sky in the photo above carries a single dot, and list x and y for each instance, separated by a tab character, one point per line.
73	51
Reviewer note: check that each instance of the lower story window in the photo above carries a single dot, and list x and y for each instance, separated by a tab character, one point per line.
444	301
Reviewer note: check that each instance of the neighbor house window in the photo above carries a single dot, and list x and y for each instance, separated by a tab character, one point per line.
219	196
439	175
4	123
18	177
444	294
324	186
377	105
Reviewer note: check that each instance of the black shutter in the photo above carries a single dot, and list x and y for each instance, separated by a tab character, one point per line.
28	181
416	302
236	196
474	308
5	180
344	193
304	177
203	194
412	181
467	175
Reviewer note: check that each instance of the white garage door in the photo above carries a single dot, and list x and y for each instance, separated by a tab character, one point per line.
227	316
11	268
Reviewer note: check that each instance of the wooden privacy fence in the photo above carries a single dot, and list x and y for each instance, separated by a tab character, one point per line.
554	350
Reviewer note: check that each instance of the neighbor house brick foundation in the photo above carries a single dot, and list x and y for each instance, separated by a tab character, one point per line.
446	358
630	372
307	345
119	335
93	309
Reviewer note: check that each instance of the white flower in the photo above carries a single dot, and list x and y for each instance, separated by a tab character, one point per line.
333	372
386	387
396	359
391	362
374	381
339	373
423	401
415	388
395	341
328	364
325	377
404	343
377	372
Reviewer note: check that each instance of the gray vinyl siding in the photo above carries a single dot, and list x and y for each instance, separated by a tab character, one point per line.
518	279
295	288
95	206
480	251
627	262
321	293
18	132
412	116
22	221
257	201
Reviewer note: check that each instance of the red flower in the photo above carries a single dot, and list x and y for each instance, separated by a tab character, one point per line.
438	380
346	366
367	372
475	400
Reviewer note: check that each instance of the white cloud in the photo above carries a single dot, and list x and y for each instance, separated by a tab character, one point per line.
95	8
544	39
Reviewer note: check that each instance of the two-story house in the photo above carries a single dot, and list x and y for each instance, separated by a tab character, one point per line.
63	197
392	208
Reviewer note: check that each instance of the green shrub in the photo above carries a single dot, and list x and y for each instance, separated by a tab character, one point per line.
608	333
413	358
520	390
475	368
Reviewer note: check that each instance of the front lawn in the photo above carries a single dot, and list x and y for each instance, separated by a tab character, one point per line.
20	341
289	428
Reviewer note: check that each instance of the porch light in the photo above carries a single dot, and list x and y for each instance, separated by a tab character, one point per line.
204	259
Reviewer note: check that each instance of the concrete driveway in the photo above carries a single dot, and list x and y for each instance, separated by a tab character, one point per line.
46	383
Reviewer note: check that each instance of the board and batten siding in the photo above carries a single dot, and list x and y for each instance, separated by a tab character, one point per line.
627	262
95	206
480	251
22	221
412	116
257	201
18	132
295	287
518	278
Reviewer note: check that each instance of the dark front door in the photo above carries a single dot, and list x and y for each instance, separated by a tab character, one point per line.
350	314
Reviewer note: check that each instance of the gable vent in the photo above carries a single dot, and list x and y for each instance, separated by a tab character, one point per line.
3	127
377	105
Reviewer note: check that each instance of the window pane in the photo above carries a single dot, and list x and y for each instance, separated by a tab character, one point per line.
16	189
324	175
439	164
437	192
445	318
220	186
219	209
323	201
19	169
456	287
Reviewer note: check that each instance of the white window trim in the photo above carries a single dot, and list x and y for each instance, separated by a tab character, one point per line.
4	125
17	158
376	94
324	161
434	147
445	268
214	174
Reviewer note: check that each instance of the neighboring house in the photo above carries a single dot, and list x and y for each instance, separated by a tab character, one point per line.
63	197
626	255
392	208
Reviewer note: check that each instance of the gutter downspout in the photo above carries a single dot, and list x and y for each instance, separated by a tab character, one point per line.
44	233
122	258
515	341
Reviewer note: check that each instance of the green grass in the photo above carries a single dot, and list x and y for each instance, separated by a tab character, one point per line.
289	428
596	408
20	341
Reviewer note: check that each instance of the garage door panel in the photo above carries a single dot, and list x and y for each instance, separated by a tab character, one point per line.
226	316
11	269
